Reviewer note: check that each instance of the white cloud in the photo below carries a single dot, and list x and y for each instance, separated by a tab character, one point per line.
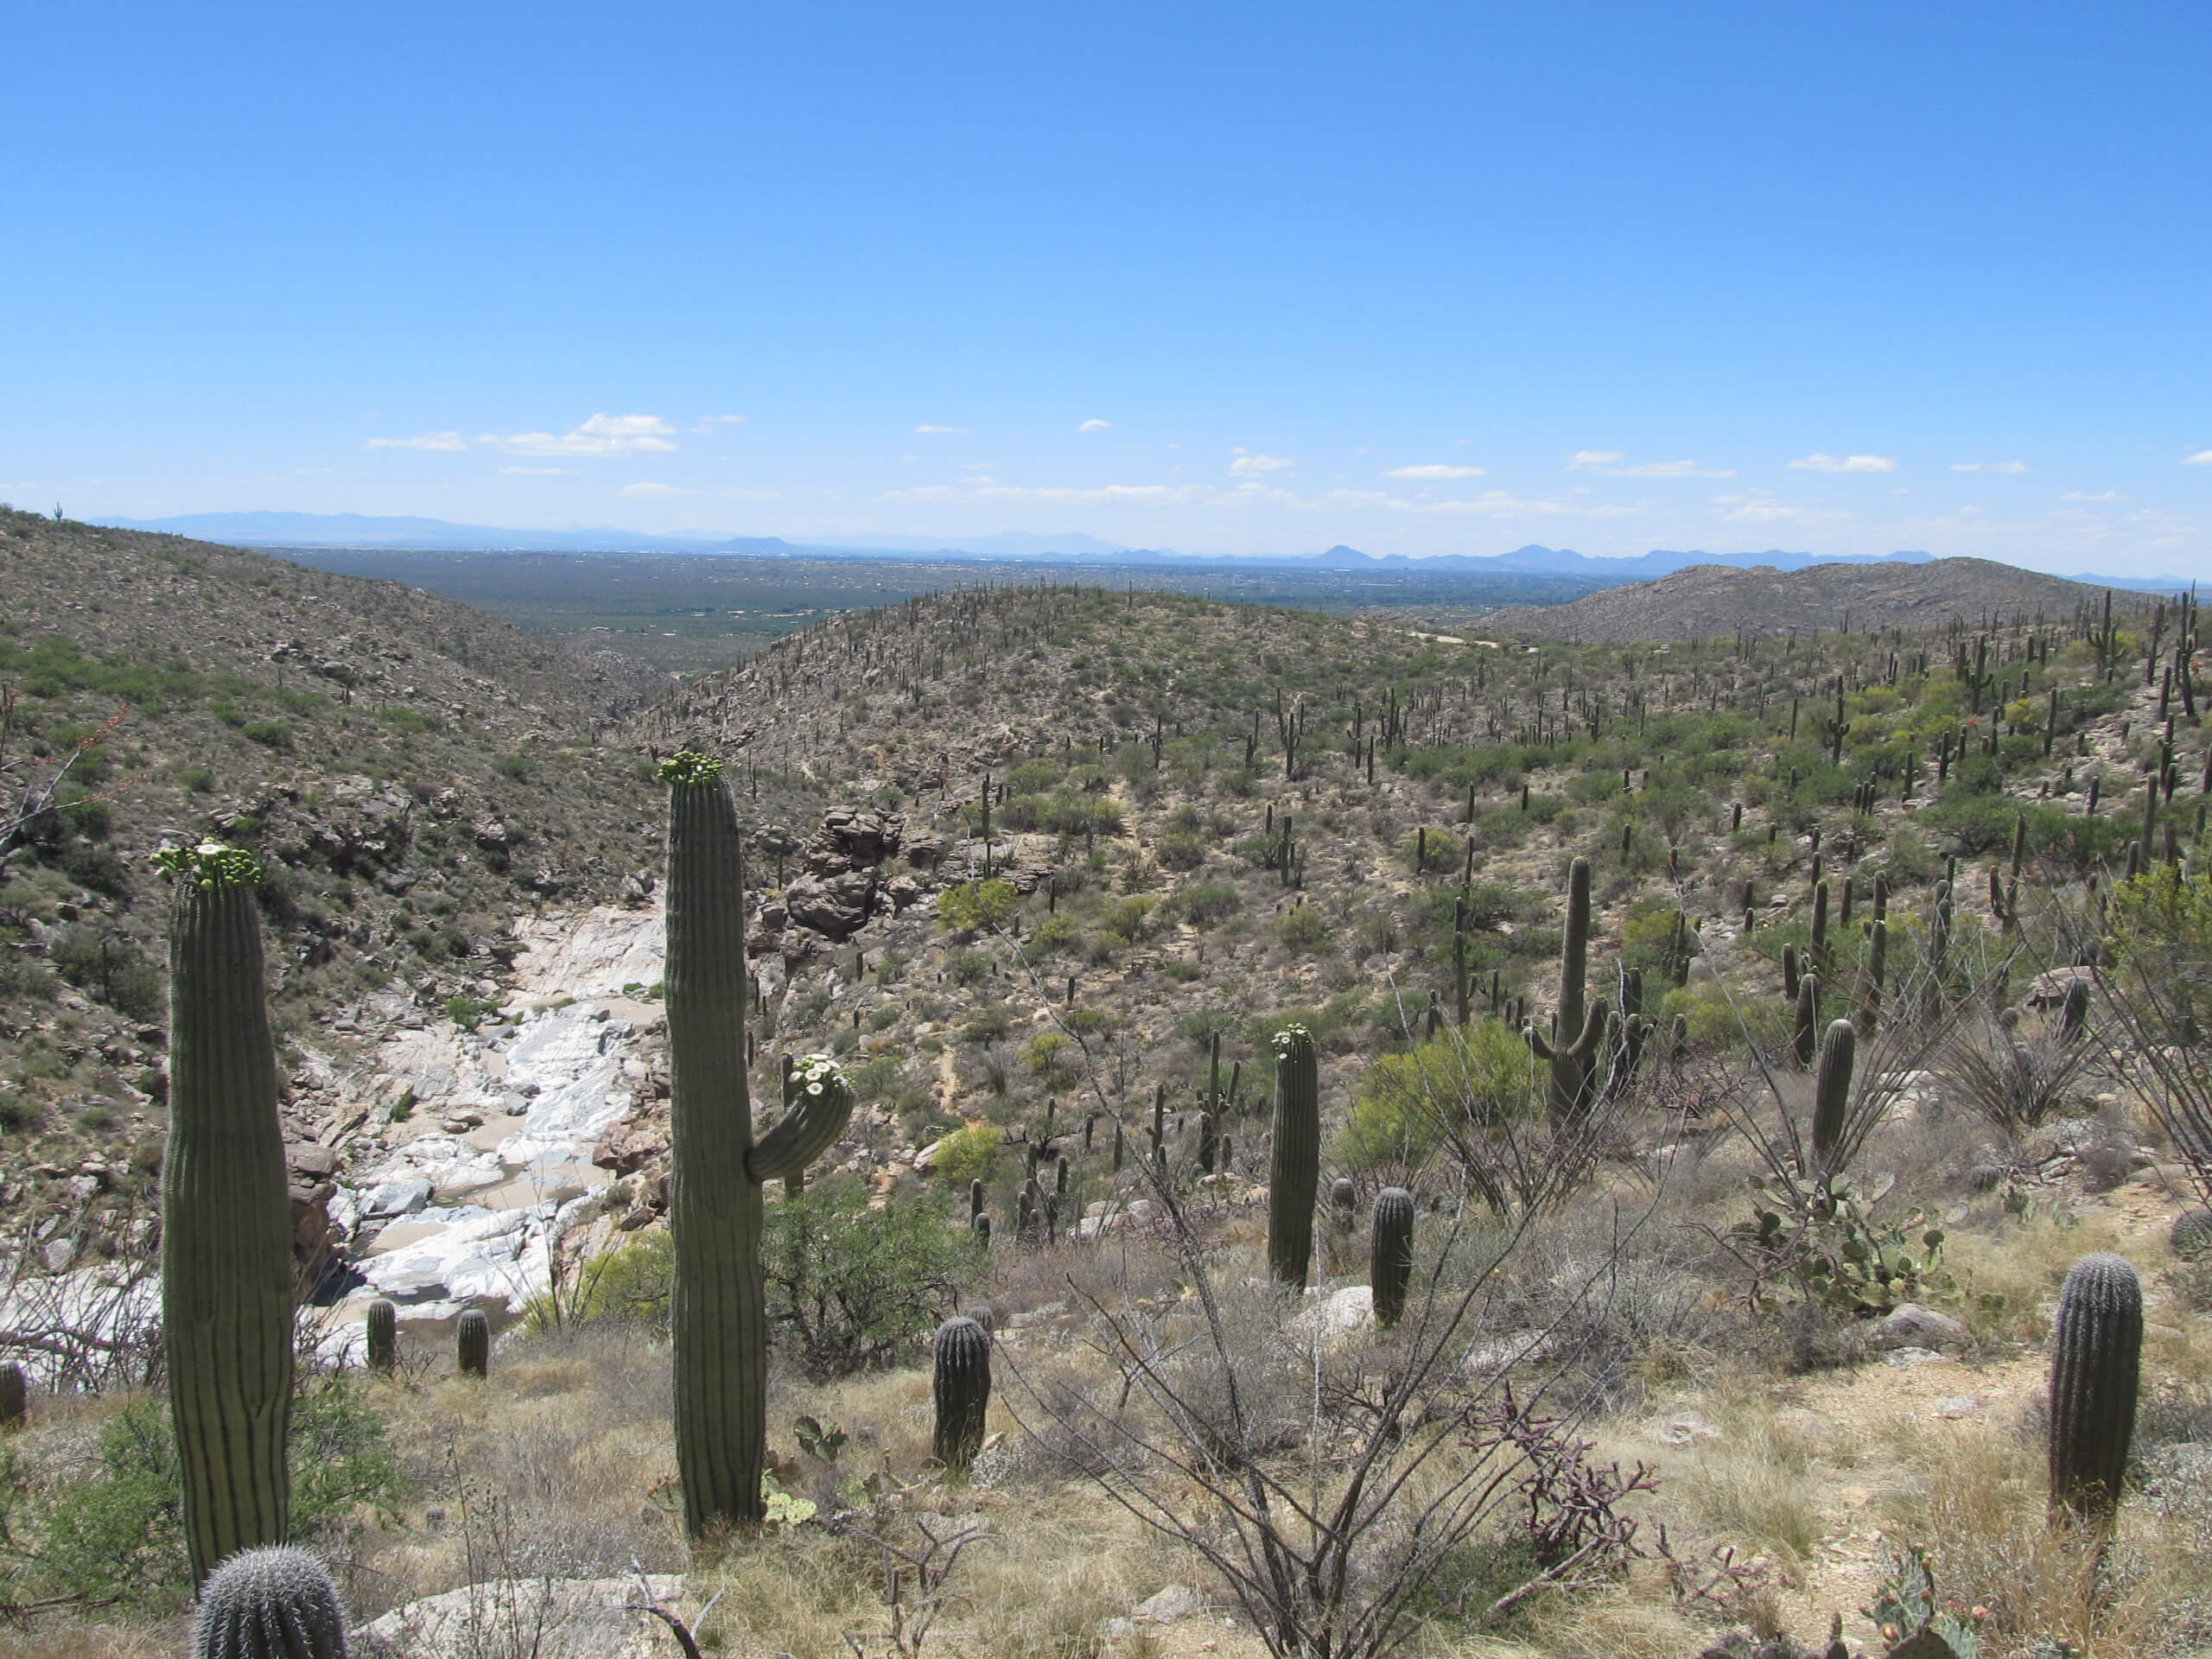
2202	458
953	430
1603	460
1826	463
2102	495
651	491
709	424
442	440
1247	466
986	489
602	435
1435	470
539	472
1092	426
1989	466
1585	458
654	491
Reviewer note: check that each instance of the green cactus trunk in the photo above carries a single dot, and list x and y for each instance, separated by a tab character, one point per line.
1877	959
382	1332
2096	1350
718	1311
1390	1253
226	1223
1831	1096
15	1398
960	1384
1571	1050
473	1345
1804	1033
1294	1168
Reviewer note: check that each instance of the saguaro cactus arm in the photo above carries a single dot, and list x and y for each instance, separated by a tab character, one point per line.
226	1245
822	1105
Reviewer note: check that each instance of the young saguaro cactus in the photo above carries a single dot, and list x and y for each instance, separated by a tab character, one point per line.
718	1314
1294	1168
1571	1050
15	1398
271	1603
472	1343
226	1223
1803	1033
2097	1351
960	1383
1831	1095
382	1328
1390	1253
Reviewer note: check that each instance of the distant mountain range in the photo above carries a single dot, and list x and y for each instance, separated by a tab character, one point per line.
360	531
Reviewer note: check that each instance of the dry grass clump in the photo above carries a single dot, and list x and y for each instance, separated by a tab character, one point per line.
1754	1485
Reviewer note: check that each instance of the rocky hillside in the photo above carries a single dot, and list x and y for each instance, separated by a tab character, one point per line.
413	775
1709	602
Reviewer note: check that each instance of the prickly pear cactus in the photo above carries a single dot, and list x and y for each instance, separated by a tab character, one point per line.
960	1383
226	1218
271	1603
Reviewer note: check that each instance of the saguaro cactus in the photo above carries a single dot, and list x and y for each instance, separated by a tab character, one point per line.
1295	1169
226	1222
273	1603
1803	1033
15	1398
1390	1253
1877	958
1831	1095
1571	1050
718	1316
382	1332
1343	1196
2096	1350
960	1383
472	1343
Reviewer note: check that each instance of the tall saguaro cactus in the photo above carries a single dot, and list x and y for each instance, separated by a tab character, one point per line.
718	1311
226	1223
1571	1050
1831	1095
1295	1169
2097	1351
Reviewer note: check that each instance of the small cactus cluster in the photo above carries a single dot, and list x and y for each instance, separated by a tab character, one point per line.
960	1384
274	1602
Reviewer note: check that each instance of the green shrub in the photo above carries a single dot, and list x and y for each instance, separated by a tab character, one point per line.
971	906
1181	849
1304	928
1203	904
629	1284
1471	1078
270	733
856	1289
966	967
110	968
968	1155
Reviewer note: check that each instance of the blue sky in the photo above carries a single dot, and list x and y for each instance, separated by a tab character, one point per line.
1224	278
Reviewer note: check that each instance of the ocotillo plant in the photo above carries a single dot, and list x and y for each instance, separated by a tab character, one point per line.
1571	1051
226	1220
15	1398
960	1383
272	1603
1294	1168
1804	1035
382	1331
1831	1095
1390	1253
2096	1350
472	1343
718	1316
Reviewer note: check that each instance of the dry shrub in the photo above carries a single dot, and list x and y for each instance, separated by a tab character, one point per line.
1628	1622
1754	1486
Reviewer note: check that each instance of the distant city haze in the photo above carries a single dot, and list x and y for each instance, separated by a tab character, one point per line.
1456	281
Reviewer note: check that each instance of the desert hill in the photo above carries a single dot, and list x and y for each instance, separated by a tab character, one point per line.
1709	602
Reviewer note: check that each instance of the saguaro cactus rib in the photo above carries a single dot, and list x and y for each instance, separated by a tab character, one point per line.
226	1246
718	1315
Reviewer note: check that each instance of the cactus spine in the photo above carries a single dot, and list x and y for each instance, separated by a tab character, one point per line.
226	1224
1573	1045
382	1332
271	1603
2096	1350
1295	1169
718	1315
1831	1095
1390	1253
472	1343
960	1383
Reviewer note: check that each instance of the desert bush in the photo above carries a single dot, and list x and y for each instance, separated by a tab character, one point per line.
855	1288
971	906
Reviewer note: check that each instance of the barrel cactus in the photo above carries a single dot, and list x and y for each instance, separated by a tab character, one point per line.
960	1383
1294	1171
472	1343
1571	1051
1343	1198
2097	1351
2192	1234
1831	1096
718	1314
1390	1253
270	1603
226	1218
382	1330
